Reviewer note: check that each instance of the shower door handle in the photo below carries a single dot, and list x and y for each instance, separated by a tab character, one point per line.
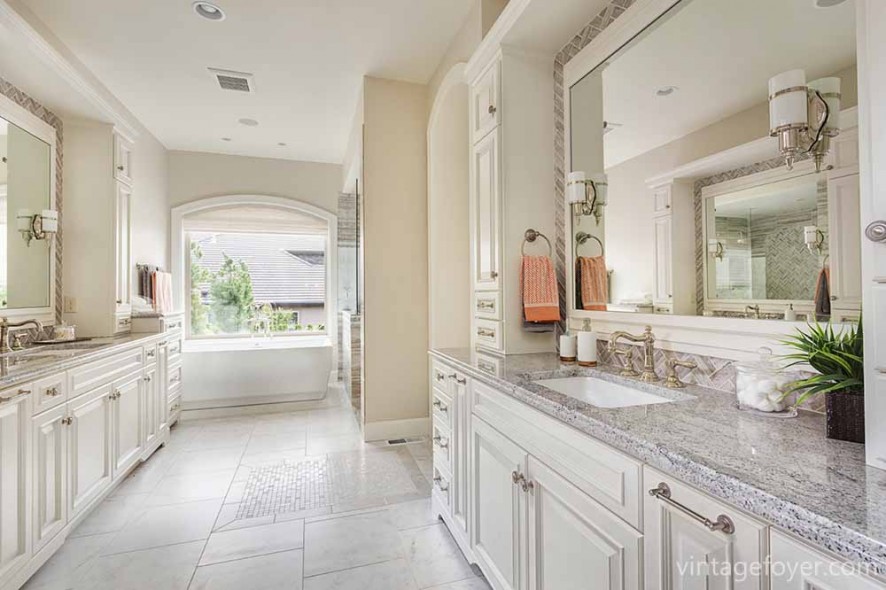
876	231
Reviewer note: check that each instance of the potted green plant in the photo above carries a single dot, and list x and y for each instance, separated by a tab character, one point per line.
838	359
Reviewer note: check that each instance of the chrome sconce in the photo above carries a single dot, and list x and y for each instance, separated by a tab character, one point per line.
716	250
587	196
36	226
804	117
814	239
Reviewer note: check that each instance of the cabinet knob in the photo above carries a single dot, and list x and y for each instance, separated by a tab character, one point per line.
492	109
67	421
876	231
53	392
493	275
120	168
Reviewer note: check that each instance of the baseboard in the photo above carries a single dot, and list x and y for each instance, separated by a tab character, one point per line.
388	429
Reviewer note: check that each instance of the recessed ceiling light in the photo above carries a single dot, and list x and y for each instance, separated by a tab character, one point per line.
666	91
209	11
828	3
226	139
248	122
282	144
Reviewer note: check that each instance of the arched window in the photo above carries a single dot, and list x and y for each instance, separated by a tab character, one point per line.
250	265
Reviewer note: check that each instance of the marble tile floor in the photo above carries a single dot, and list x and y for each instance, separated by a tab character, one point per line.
267	502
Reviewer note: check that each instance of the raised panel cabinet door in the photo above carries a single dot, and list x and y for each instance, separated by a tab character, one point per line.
485	108
50	474
123	246
461	435
163	386
574	542
844	245
681	553
152	397
123	159
663	287
497	505
486	213
15	482
798	567
90	470
127	422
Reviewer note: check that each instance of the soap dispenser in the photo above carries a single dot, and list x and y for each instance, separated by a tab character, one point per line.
587	346
789	314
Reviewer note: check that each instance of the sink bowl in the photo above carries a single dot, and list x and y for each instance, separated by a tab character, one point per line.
603	394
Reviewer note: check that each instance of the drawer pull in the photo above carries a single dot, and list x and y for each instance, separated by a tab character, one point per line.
53	392
723	523
461	380
491	110
438	481
440	376
438	440
485	304
441	406
485	333
486	367
520	479
67	421
151	354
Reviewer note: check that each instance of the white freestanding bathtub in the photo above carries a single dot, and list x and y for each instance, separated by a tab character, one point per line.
249	371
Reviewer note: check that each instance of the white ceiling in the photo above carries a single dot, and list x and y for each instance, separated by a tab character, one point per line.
720	54
308	58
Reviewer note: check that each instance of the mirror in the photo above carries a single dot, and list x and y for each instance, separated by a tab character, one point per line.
697	212
25	187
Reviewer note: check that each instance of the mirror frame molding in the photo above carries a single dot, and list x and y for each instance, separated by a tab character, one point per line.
729	338
21	117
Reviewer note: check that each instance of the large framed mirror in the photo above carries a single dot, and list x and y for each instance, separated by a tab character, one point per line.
679	199
28	214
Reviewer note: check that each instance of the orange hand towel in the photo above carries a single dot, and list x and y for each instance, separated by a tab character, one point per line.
539	286
594	283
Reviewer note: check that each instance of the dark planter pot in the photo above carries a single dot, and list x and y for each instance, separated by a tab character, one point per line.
845	413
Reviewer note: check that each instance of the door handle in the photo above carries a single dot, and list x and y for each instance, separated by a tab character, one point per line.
876	231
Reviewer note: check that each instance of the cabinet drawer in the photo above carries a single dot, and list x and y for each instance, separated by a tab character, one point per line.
442	408
488	333
150	354
485	102
174	324
803	568
122	324
661	200
680	549
88	377
50	392
175	349
440	489
490	364
608	476
175	375
487	305
441	442
439	376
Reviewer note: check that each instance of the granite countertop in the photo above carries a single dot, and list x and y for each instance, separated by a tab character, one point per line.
783	470
41	361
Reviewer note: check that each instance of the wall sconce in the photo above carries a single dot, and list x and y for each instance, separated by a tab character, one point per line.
587	196
803	117
814	239
716	250
36	226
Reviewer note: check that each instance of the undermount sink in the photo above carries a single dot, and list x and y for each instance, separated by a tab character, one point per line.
600	393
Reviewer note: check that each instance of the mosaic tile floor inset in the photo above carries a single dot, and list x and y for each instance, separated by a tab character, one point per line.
338	478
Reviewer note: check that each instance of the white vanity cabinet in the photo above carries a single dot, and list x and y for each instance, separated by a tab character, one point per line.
91	446
511	115
682	553
796	566
15	480
50	443
98	273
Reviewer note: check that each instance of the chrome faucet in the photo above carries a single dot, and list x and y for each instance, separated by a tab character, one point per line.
5	325
648	339
753	308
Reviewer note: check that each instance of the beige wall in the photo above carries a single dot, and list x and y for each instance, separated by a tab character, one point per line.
194	175
150	204
460	49
395	255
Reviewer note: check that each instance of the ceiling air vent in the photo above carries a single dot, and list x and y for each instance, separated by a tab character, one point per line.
236	81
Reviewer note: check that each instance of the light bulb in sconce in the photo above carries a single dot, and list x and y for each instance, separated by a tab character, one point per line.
587	196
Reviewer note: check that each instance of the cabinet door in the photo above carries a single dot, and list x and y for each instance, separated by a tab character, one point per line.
461	434
485	108
486	213
497	503
15	484
663	287
127	422
844	220
683	554
163	385
152	397
123	159
50	474
123	245
797	567
574	542
661	200
90	468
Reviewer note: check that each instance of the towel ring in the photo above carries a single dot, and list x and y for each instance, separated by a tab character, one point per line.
582	237
530	236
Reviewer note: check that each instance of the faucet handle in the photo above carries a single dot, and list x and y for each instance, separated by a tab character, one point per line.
673	380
